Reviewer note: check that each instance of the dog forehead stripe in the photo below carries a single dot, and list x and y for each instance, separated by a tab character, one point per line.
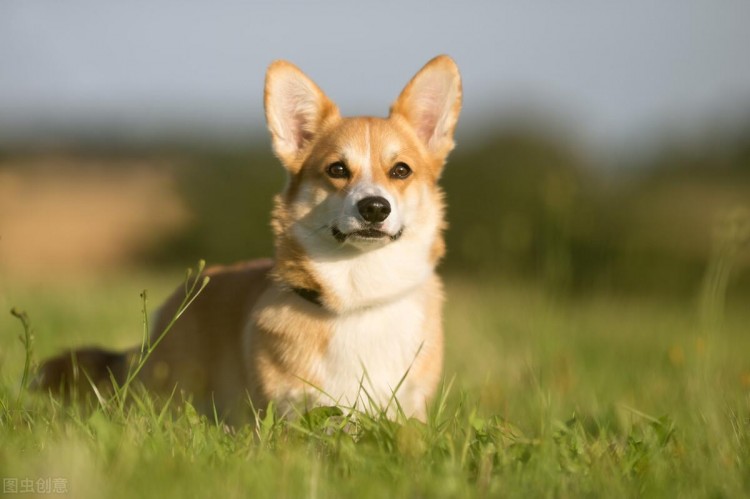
359	154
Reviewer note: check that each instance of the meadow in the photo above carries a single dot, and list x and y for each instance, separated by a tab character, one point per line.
596	328
544	396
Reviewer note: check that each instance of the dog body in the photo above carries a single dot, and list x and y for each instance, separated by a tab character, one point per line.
349	311
247	334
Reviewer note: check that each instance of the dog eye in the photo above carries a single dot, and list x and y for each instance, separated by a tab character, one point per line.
400	170
337	170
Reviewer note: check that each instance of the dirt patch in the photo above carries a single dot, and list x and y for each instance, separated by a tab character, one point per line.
60	216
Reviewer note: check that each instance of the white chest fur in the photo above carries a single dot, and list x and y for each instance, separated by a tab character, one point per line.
370	353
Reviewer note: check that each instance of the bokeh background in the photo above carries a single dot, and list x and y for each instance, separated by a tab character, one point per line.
601	147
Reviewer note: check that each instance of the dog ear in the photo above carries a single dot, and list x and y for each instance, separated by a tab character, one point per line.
431	102
296	111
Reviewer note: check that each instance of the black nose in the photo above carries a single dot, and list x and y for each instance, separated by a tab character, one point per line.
374	209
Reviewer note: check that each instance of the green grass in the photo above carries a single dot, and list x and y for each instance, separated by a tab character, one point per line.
593	396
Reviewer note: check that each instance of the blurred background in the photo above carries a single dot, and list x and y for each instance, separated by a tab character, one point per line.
600	149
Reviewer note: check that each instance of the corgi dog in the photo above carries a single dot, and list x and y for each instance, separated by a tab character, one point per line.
349	311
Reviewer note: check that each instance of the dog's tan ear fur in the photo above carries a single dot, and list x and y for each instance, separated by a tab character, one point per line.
296	111
430	103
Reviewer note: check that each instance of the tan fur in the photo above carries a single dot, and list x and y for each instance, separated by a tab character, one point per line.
429	364
289	334
202	353
250	337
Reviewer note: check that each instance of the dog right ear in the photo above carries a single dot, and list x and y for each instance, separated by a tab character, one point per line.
296	111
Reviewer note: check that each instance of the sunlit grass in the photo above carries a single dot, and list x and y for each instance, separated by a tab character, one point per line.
599	395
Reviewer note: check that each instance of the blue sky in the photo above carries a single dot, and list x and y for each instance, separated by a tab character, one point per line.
607	73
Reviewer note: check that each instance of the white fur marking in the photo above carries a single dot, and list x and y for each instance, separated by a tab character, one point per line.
367	164
369	353
361	277
391	150
364	278
361	158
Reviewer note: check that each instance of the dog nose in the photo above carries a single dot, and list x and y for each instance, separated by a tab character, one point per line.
374	209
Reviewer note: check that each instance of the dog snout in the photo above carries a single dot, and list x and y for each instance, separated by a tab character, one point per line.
374	209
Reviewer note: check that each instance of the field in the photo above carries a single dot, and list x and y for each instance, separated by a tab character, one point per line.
546	395
597	329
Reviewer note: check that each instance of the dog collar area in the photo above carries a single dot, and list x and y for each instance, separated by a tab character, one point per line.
310	295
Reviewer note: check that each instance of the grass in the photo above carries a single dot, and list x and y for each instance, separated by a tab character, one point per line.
544	396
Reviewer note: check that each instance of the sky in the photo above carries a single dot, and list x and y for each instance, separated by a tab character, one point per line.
609	73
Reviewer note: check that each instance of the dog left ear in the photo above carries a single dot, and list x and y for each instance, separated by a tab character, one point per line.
296	111
431	102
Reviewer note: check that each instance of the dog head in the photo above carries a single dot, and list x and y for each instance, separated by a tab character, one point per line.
358	185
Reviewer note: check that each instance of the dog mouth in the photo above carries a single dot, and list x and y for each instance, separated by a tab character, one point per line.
370	233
